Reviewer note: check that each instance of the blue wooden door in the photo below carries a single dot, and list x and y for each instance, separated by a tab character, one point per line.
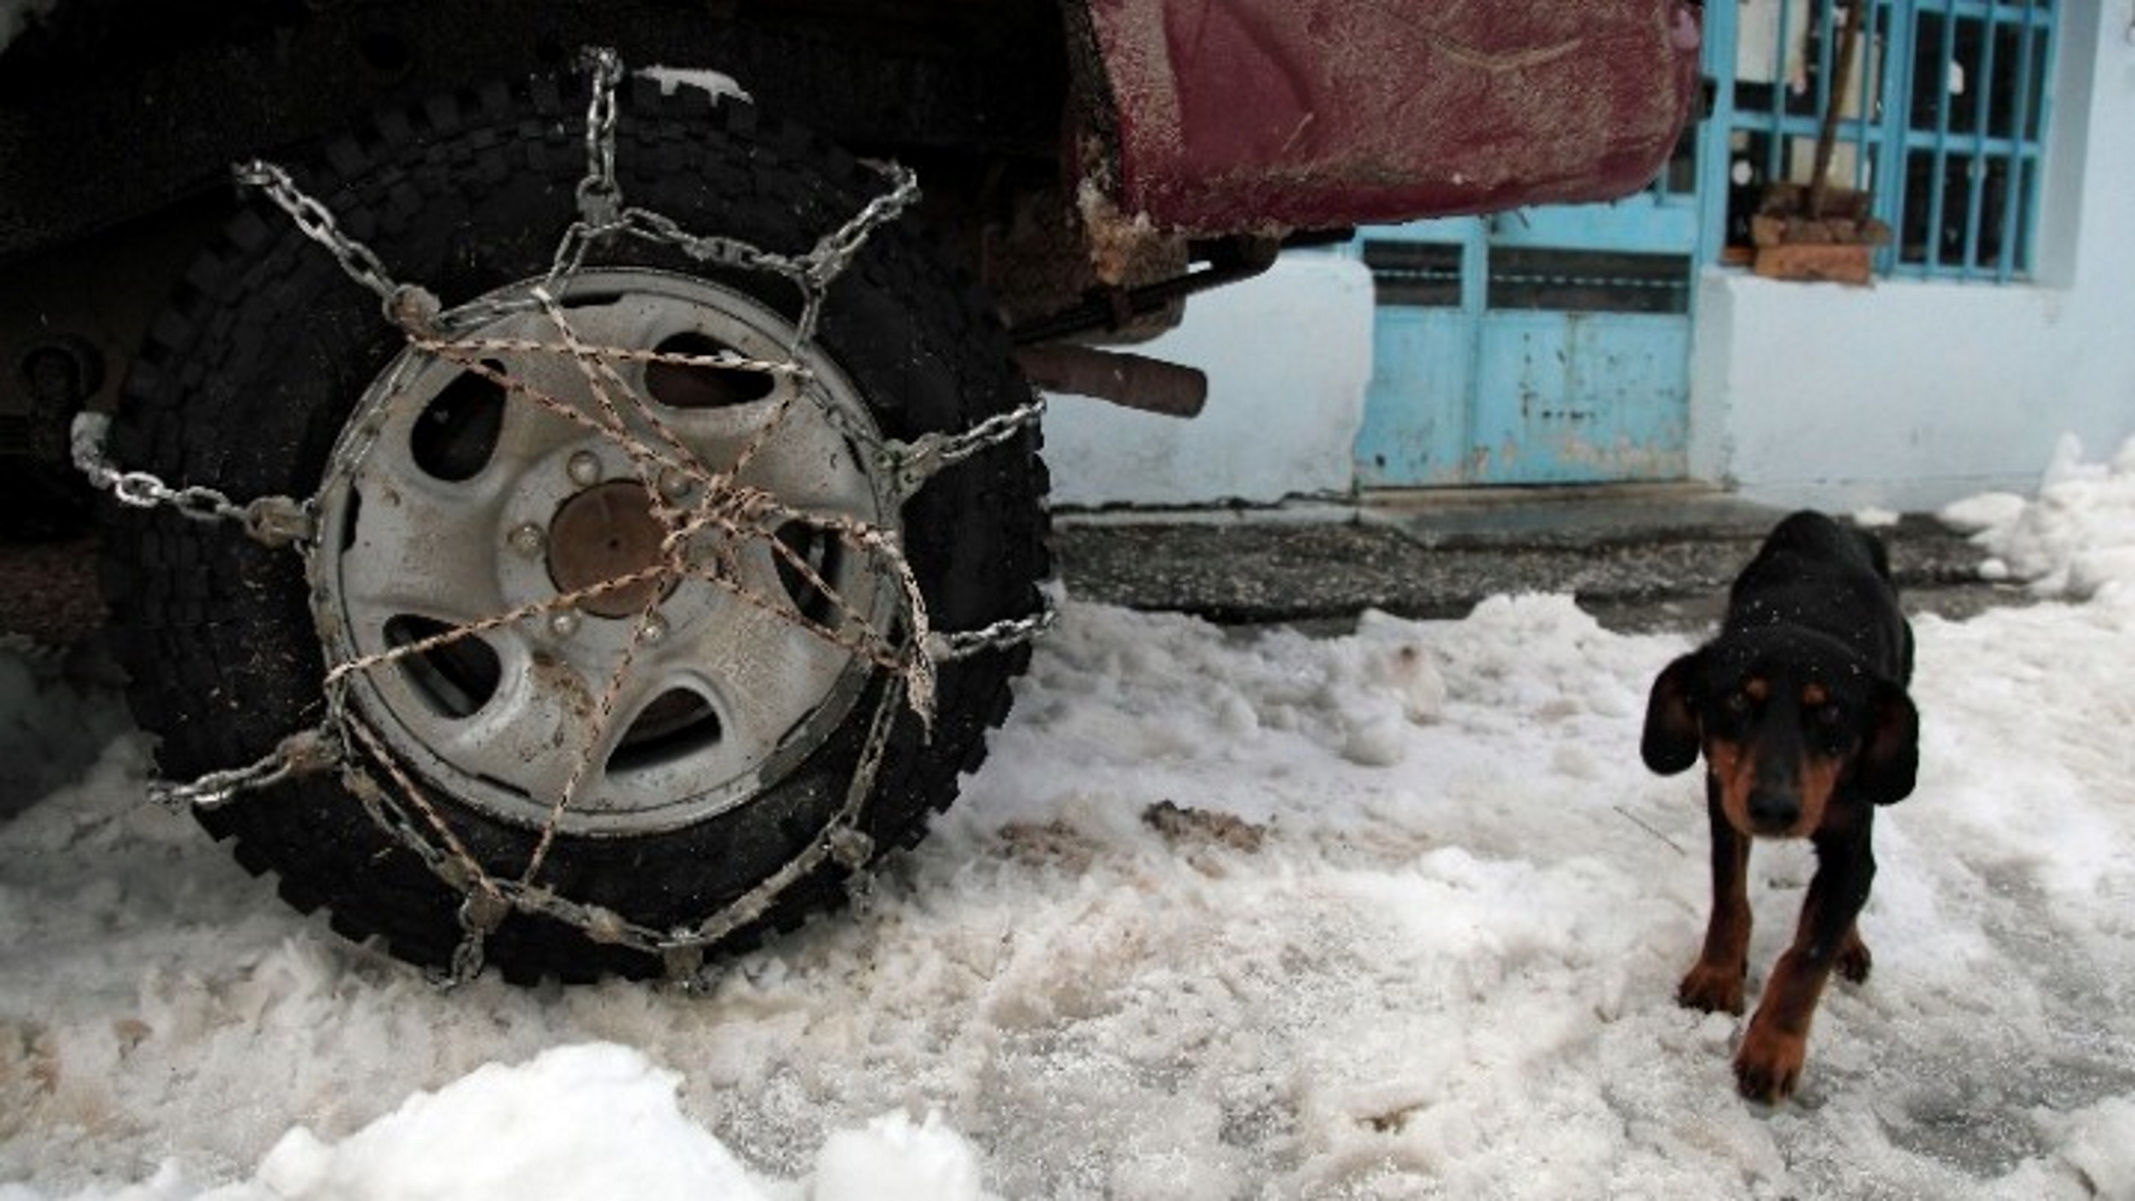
1545	346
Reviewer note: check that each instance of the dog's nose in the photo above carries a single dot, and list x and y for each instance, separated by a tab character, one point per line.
1773	811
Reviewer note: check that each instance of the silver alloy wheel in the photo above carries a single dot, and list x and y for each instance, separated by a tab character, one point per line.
452	498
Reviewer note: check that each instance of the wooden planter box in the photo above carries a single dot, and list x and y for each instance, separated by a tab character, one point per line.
1836	247
1828	262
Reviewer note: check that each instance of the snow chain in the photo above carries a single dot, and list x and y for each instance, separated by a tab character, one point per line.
346	743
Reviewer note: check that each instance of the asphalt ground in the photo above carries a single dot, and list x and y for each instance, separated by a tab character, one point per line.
1639	559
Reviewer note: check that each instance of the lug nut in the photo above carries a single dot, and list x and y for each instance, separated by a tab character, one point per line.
584	469
675	483
528	540
654	629
563	622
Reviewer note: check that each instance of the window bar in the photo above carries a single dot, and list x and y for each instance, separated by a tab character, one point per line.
1774	143
2016	213
2041	122
1872	46
1982	129
1895	128
1938	179
1827	89
1716	150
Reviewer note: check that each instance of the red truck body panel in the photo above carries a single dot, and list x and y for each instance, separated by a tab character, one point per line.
1219	115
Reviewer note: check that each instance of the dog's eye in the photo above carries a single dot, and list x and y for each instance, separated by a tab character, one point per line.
1829	717
1737	702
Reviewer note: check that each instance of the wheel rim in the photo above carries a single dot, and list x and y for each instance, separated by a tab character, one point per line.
712	657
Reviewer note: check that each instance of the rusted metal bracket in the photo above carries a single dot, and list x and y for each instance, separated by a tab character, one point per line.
1132	380
1229	261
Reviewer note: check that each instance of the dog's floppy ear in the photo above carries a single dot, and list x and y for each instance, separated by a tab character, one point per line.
1890	755
1670	743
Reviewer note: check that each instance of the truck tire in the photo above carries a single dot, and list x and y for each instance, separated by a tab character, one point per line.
730	737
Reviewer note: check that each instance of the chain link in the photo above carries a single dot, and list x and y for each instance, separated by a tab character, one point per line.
913	463
1014	631
599	198
304	753
835	251
395	801
317	222
271	520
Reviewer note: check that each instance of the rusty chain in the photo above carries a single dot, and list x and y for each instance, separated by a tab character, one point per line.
345	741
271	520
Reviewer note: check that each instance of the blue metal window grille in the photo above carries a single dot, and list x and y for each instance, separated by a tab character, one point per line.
1943	123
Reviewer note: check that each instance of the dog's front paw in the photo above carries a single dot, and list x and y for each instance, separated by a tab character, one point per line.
1854	961
1712	987
1769	1064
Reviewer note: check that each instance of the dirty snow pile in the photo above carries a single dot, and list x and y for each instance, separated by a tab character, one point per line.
2077	537
1391	914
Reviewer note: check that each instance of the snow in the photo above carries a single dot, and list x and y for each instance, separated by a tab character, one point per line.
18	15
716	84
1410	926
2073	540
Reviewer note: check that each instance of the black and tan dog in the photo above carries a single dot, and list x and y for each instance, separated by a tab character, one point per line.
1800	708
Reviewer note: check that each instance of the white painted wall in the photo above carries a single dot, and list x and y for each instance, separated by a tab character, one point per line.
1912	394
1905	395
1288	356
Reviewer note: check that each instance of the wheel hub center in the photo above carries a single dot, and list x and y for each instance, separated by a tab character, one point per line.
600	534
